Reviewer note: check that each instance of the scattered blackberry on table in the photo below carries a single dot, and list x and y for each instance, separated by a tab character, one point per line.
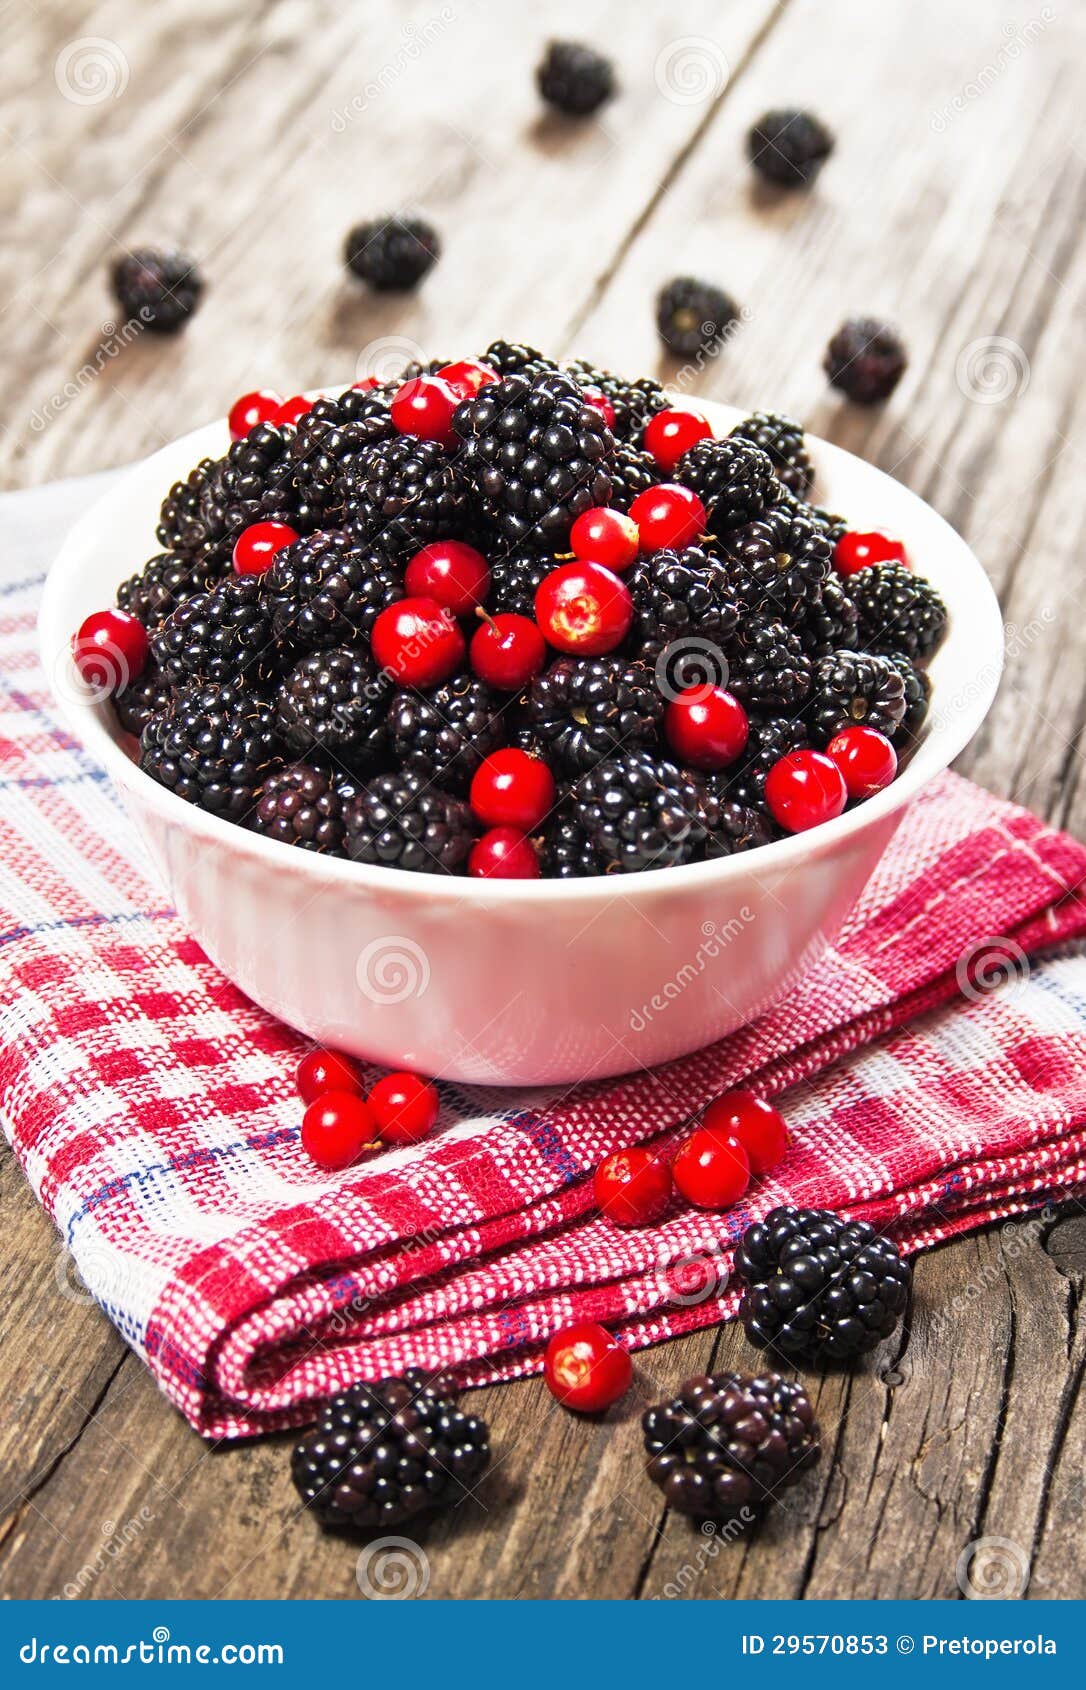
514	577
334	701
392	253
640	811
769	671
581	710
575	79
330	433
917	694
164	582
789	147
145	697
633	402
682	598
777	564
771	738
632	472
327	590
157	287
221	635
819	1288
298	804
566	852
730	1442
382	1453
212	747
733	478
403	492
829	623
850	689
898	611
865	359
693	317
445	734
732	827
403	821
510	358
782	439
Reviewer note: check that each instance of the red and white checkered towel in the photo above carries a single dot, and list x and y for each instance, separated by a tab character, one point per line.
153	1109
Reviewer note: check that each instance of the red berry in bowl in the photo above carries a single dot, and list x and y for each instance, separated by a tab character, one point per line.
602	535
325	1070
450	572
706	727
511	788
672	432
336	1128
632	1186
404	1108
256	546
424	407
855	551
585	1368
110	650
261	406
668	515
711	1169
759	1127
600	402
466	377
865	758
804	789
418	641
508	651
503	853
583	608
291	410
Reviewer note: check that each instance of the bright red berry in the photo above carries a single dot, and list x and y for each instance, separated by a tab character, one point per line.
368	384
511	788
418	641
670	433
424	406
325	1070
404	1108
336	1128
583	608
261	406
602	535
711	1169
503	853
668	515
600	402
632	1186
256	546
585	1368
466	377
855	551
450	572
759	1127
110	649
706	727
865	758
804	789
292	409
507	651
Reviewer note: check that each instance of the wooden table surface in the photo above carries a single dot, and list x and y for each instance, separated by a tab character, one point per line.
256	134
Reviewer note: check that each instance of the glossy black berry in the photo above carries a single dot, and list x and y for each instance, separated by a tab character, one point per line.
898	611
300	804
781	438
789	147
392	253
156	287
639	811
149	695
733	478
327	590
693	316
855	689
404	821
212	747
401	493
575	79
164	582
222	635
865	359
445	734
334	701
682	599
584	709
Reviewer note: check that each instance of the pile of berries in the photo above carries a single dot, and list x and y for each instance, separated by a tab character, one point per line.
507	619
342	1119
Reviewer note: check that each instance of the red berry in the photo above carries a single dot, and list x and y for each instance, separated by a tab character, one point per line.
450	572
585	1368
804	789
668	515
600	402
110	649
583	608
261	406
424	406
711	1169
336	1127
511	788
759	1127
706	727
854	551
418	641
670	433
865	758
256	546
404	1108
503	853
605	536
368	384
291	409
325	1070
632	1186
466	377
508	651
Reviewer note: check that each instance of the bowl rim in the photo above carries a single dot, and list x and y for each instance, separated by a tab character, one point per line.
939	745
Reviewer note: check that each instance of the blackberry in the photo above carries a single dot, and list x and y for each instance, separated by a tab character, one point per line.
682	600
771	738
769	671
254	482
777	564
917	694
147	696
222	635
851	689
332	431
898	611
828	523
585	709
820	1288
693	316
298	804
640	812
632	472
732	827
729	1442
403	492
789	147
538	454
830	622
575	79
402	821
733	478
212	747
392	253
633	402
566	852
159	288
514	578
335	701
509	358
865	359
326	590
446	734
781	438
382	1453
164	582
181	527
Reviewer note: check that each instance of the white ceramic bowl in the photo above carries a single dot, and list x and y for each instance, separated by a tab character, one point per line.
517	982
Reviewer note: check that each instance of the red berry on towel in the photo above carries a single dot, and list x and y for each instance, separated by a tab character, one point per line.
804	789
256	546
261	406
632	1186
854	551
711	1169
866	759
759	1127
404	1108
110	650
585	1368
511	788
325	1070
336	1128
668	515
